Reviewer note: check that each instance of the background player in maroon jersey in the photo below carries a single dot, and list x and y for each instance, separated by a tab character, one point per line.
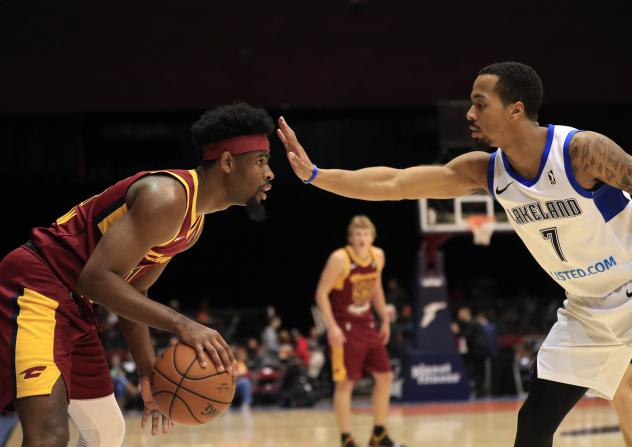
349	285
109	250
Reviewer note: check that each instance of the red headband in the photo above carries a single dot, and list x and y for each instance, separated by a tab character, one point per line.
237	145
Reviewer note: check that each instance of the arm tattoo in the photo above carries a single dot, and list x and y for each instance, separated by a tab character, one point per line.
603	159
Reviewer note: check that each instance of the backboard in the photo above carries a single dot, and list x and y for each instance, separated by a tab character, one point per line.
451	215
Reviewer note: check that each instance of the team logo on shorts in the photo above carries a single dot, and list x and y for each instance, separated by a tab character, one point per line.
33	372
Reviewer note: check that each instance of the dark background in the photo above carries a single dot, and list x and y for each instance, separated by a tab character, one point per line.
90	94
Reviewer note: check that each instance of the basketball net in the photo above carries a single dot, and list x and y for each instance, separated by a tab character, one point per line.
482	227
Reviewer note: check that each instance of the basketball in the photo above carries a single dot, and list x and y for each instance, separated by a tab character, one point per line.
186	392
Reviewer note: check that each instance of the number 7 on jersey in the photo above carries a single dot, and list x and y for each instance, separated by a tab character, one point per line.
551	234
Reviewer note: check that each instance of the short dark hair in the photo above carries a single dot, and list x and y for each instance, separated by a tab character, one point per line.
230	121
517	82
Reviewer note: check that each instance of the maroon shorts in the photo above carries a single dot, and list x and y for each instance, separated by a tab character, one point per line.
363	353
45	333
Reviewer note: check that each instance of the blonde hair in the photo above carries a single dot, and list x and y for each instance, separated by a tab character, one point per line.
361	222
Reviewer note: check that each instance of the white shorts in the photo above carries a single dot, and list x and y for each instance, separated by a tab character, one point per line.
591	343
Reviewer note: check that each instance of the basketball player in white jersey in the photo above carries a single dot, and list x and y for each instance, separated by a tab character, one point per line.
563	191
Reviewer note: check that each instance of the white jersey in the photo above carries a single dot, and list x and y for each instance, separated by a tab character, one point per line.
582	238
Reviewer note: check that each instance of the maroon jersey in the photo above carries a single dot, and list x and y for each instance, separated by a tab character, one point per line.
353	292
68	243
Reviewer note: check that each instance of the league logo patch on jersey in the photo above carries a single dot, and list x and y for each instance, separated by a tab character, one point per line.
551	177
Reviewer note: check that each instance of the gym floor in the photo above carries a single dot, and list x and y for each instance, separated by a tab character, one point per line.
483	423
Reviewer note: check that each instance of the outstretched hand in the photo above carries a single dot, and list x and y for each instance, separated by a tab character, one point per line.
297	156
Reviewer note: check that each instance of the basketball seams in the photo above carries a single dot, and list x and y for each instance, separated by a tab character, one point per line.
175	364
188	390
164	392
171	379
182	377
186	405
207	377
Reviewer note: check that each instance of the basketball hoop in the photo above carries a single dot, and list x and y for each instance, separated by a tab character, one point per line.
482	227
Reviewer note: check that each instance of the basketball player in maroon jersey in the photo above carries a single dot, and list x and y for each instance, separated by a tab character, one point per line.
349	285
109	250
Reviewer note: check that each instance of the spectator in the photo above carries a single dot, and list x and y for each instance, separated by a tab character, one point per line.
286	348
491	333
254	354
109	332
123	388
491	337
270	341
243	387
316	354
301	347
477	351
398	297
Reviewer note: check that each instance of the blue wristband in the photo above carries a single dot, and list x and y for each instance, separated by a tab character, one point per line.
313	176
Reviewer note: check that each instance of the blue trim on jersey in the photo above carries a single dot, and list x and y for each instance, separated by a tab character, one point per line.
610	201
569	169
490	173
545	156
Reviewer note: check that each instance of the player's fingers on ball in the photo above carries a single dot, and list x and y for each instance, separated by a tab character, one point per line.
212	353
201	355
165	424
143	420
223	354
229	351
220	344
225	357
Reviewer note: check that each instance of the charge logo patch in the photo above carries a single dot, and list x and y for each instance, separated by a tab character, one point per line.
33	372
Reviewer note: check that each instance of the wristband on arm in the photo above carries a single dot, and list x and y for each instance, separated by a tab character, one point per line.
313	176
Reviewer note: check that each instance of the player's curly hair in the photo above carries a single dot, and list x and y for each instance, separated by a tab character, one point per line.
230	121
517	82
